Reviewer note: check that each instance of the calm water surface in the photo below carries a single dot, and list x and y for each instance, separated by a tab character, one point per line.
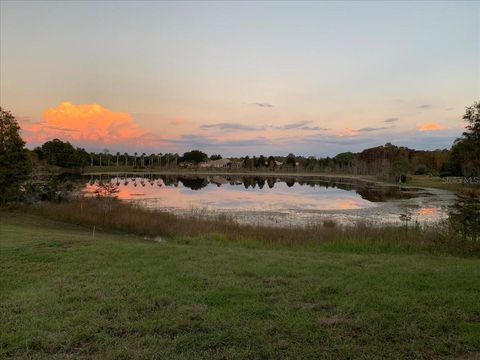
277	199
218	193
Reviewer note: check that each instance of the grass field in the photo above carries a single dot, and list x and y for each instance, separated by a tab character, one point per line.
66	295
439	183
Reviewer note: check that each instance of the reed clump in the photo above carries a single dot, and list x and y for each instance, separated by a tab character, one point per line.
360	237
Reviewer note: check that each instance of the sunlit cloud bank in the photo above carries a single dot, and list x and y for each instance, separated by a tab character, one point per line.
96	127
356	132
85	124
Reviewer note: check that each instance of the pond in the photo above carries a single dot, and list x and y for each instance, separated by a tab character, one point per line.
277	200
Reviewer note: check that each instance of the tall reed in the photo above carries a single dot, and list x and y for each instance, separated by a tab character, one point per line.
128	217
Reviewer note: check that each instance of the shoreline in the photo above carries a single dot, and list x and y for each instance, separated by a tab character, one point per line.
425	182
365	178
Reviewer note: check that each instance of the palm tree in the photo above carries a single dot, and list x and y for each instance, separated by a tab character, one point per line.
91	159
135	159
143	159
160	160
107	152
118	155
126	159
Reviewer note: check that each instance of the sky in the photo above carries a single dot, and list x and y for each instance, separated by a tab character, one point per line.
240	78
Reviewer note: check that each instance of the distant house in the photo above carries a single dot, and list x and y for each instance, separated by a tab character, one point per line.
236	165
221	163
216	164
186	164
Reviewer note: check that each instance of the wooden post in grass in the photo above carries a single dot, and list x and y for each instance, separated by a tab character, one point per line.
93	233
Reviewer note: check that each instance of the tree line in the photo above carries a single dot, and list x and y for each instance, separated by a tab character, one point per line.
394	162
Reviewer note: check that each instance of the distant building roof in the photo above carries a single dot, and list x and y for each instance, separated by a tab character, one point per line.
220	162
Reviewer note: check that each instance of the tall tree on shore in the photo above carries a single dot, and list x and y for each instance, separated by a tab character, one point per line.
271	163
14	164
61	153
159	160
194	156
107	156
215	157
290	161
465	154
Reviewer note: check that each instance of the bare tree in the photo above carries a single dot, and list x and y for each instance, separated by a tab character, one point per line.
106	193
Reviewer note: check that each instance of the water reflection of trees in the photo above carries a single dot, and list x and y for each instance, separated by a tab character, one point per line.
194	183
55	188
271	182
374	193
384	193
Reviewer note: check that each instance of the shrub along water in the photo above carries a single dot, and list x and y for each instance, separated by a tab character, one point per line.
441	238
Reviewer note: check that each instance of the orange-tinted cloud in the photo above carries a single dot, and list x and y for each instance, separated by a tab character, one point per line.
430	127
85	123
349	132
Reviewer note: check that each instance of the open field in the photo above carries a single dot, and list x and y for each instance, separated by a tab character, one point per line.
439	183
64	294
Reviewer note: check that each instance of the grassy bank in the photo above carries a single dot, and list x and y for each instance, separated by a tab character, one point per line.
440	183
64	294
125	217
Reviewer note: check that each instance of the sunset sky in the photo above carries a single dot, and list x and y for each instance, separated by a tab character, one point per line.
240	78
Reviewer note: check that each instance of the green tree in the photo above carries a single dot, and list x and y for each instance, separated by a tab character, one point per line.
345	160
465	153
194	156
271	162
290	161
216	157
261	162
63	154
14	164
399	169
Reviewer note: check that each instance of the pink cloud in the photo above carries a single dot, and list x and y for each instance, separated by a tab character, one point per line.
85	123
349	132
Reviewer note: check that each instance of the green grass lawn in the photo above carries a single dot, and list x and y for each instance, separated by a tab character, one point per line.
439	183
66	295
